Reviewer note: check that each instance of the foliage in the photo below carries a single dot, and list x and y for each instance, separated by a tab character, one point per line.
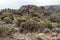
46	24
7	20
6	14
21	19
31	17
54	18
5	30
30	25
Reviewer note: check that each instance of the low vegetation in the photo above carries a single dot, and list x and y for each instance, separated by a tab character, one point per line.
29	19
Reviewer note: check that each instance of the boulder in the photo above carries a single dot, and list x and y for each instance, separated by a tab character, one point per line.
56	30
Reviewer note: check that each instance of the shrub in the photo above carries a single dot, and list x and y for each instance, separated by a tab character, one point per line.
5	31
54	25
30	25
36	14
54	18
21	19
46	24
6	14
36	19
7	20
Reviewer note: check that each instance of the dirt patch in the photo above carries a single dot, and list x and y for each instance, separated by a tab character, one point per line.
5	38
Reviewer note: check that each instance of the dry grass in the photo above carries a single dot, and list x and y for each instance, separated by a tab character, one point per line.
34	36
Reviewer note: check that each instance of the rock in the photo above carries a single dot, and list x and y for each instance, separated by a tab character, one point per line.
46	30
1	22
43	36
54	35
17	29
20	37
56	30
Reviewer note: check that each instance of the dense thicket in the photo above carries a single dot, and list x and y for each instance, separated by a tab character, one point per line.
31	18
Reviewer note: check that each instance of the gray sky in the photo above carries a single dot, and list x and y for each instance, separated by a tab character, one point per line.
17	3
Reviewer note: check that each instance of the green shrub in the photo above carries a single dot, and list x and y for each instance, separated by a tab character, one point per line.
30	25
54	18
46	24
54	25
7	20
5	31
36	14
6	14
36	19
21	19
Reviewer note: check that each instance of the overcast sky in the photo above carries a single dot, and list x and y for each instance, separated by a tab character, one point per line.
17	3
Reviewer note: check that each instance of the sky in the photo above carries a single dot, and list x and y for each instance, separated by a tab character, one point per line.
15	4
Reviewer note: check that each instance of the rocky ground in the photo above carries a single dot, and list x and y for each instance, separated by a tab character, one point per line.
33	36
37	36
5	38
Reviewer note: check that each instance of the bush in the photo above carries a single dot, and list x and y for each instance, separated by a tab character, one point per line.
36	14
5	31
7	20
21	19
36	19
54	18
30	25
6	14
46	24
54	25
